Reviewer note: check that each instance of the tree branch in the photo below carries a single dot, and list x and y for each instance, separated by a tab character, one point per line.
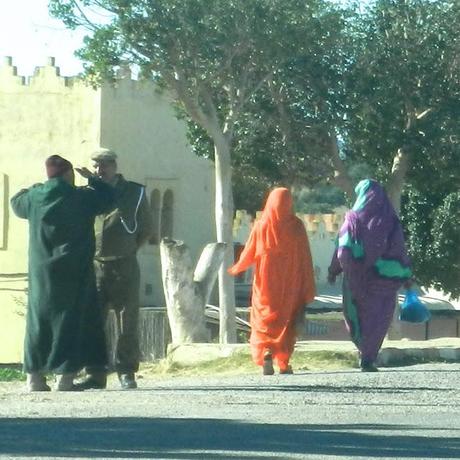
423	114
103	6
210	106
282	112
341	176
84	21
190	104
397	176
256	87
230	119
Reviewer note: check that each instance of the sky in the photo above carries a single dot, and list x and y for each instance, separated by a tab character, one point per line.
29	35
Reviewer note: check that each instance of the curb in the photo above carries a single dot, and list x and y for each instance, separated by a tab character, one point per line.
392	353
394	356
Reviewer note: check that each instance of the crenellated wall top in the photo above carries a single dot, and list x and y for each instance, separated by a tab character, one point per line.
45	77
317	225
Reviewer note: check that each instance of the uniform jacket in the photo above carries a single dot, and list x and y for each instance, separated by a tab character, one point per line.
127	225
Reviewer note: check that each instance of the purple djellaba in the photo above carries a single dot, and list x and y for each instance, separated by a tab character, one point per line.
372	255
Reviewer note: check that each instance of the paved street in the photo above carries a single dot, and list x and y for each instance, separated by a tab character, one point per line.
403	413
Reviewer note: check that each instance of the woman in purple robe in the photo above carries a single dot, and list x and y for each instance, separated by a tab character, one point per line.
372	256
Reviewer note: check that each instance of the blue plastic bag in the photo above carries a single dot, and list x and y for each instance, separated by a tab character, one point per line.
413	310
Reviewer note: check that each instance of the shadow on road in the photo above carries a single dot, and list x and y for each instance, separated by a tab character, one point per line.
302	388
212	439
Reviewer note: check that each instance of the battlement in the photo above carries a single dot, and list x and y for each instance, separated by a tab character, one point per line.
51	73
318	226
48	76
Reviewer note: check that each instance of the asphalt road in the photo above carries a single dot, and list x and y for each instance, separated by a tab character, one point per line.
404	413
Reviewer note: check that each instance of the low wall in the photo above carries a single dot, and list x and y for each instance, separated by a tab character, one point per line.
154	334
439	326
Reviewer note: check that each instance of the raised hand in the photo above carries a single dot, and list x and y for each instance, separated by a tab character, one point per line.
85	172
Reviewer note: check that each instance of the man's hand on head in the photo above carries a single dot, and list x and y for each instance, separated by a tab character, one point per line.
86	173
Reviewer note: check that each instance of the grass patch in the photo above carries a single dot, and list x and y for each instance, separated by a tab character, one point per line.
8	374
240	363
324	360
236	364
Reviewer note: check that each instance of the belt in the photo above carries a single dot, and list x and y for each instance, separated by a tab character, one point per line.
109	258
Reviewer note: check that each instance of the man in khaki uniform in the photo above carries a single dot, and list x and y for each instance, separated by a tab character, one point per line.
120	232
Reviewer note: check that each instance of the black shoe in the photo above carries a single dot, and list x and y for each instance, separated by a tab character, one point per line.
91	383
367	366
127	381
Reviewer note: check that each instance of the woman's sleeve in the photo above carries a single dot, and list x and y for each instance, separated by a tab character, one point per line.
346	259
247	256
343	258
334	267
310	276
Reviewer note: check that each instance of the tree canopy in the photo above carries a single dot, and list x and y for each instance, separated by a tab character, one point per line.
404	97
213	58
300	93
432	222
404	86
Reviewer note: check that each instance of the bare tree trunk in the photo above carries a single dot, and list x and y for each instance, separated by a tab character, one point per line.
186	290
341	177
396	182
394	190
224	227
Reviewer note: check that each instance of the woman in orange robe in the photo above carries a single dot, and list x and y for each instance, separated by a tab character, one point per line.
283	281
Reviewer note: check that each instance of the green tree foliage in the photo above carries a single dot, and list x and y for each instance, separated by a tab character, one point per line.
446	244
282	135
404	86
403	94
250	190
417	217
288	125
322	199
432	221
294	93
212	56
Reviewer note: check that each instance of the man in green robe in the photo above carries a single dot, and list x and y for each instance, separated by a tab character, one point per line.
62	308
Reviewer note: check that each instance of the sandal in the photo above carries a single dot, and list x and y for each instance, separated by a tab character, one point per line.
267	368
287	370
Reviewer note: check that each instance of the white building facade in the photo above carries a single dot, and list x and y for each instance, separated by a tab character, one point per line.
48	114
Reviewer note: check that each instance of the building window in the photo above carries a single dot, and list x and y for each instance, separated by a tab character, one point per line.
155	206
167	215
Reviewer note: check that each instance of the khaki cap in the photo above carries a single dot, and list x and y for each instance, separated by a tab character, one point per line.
104	155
